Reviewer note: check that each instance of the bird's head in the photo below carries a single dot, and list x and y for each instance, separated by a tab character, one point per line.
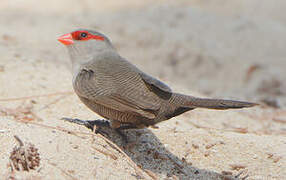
83	44
82	35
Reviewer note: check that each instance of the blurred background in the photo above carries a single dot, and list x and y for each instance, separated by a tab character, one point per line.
221	48
209	48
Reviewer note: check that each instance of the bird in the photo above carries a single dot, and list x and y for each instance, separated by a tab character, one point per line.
117	90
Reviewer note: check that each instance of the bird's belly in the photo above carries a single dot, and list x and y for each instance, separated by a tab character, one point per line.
114	115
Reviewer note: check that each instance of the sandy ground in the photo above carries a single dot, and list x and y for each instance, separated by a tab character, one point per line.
231	49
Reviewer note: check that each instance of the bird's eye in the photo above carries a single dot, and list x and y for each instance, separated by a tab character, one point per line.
83	34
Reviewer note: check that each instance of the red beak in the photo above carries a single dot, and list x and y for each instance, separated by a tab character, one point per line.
66	39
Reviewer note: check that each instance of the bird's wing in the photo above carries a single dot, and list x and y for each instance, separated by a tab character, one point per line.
156	86
124	88
116	102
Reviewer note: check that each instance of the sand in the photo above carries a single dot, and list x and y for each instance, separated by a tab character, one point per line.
222	49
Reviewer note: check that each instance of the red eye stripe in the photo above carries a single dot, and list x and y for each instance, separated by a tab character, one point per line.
84	35
97	37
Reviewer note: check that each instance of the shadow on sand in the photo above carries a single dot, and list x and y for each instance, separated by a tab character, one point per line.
147	151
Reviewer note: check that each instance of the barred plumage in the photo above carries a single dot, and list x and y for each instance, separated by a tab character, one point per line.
120	92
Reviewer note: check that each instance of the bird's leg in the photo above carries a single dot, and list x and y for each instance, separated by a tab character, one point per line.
122	135
102	123
90	124
123	127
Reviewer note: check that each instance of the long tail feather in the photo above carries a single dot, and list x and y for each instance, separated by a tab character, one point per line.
189	101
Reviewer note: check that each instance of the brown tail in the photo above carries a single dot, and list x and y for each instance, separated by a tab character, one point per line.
189	101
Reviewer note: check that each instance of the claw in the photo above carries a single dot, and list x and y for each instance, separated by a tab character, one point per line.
100	123
122	135
88	124
77	121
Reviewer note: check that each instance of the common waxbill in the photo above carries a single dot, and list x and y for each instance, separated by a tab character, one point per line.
117	90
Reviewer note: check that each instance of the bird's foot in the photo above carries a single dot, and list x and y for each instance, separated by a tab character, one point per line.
90	123
120	133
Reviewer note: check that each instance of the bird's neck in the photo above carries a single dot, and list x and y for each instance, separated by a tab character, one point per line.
80	61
